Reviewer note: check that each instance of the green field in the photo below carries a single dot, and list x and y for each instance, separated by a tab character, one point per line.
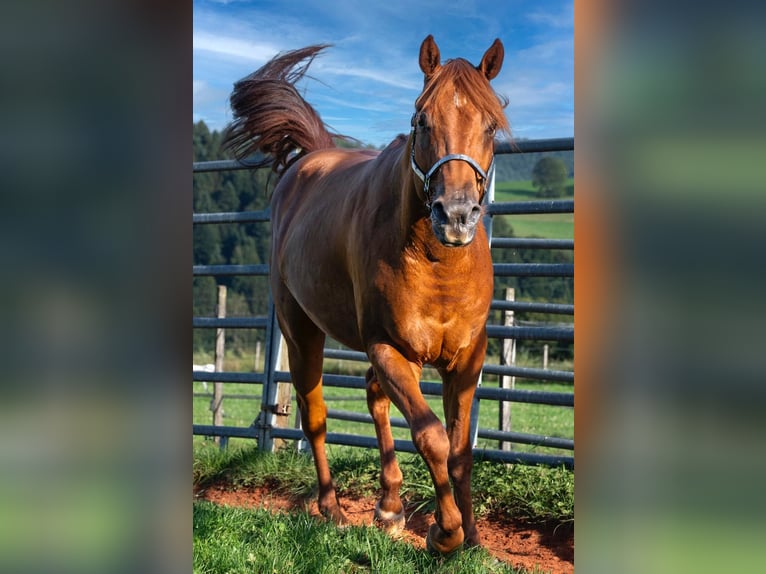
552	226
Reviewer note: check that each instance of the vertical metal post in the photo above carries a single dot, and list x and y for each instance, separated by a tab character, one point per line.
489	197
271	357
275	400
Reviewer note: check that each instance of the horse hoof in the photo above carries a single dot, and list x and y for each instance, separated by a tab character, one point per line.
438	543
336	516
392	523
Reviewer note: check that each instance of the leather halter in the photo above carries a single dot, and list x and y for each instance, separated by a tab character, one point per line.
426	177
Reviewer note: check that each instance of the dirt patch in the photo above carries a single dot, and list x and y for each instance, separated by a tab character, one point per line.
515	543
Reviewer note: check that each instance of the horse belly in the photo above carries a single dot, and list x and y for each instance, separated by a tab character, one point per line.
332	310
315	274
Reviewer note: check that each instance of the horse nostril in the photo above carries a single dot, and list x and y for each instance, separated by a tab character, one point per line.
456	212
439	212
467	213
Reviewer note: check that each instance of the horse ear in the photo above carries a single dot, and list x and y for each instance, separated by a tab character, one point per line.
492	60
429	56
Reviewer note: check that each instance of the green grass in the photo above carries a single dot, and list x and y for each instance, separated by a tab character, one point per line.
233	540
239	540
535	494
552	226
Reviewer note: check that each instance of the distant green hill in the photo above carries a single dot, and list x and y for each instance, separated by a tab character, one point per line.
518	167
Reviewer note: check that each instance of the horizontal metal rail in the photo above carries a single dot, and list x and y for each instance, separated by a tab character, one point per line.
529	373
489	369
482	392
529	397
228	377
250	162
233	217
531	333
229	322
533	269
529	458
530	243
501	148
532	307
219	270
534	146
524	438
234	396
531	207
515	437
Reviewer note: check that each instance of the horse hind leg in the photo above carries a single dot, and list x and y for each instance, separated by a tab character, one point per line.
389	511
305	344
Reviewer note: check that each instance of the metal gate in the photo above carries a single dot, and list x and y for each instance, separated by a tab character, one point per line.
266	427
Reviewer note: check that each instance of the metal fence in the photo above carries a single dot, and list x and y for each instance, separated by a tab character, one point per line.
274	378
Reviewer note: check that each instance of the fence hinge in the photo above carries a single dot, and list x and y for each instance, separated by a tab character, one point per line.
282	410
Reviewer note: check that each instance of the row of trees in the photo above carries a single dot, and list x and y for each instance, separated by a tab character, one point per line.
246	190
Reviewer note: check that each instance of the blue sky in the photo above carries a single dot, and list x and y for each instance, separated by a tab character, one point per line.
366	83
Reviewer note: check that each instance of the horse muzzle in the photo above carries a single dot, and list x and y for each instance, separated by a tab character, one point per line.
454	222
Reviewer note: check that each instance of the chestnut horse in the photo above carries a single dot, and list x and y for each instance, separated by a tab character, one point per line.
385	252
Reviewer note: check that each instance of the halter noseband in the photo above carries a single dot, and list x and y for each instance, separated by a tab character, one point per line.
426	177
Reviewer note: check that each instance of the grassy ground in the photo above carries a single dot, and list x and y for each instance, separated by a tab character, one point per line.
231	539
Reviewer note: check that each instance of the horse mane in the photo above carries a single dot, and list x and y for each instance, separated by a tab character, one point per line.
461	74
270	115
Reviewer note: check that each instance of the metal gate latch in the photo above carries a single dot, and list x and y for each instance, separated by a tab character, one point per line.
282	410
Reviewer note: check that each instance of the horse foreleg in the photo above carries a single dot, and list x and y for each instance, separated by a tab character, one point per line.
389	511
457	397
399	379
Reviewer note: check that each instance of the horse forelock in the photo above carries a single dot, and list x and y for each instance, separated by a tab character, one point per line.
458	81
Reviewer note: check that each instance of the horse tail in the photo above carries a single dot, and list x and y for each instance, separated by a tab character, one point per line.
271	117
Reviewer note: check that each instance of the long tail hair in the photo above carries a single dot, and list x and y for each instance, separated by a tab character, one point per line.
271	117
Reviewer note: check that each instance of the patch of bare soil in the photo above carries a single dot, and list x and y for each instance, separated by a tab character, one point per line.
516	543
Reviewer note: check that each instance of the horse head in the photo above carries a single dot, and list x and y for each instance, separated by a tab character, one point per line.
452	140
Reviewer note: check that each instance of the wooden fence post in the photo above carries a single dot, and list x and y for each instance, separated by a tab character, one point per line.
284	395
216	405
257	360
545	356
508	357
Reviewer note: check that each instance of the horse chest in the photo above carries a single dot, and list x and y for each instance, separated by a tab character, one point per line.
435	317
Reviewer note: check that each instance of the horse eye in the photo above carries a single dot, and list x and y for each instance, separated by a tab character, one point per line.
422	121
491	129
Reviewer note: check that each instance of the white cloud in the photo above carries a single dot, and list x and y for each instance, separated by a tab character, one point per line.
561	19
382	76
228	46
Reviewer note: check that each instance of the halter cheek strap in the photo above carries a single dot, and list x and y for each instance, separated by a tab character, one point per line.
426	177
